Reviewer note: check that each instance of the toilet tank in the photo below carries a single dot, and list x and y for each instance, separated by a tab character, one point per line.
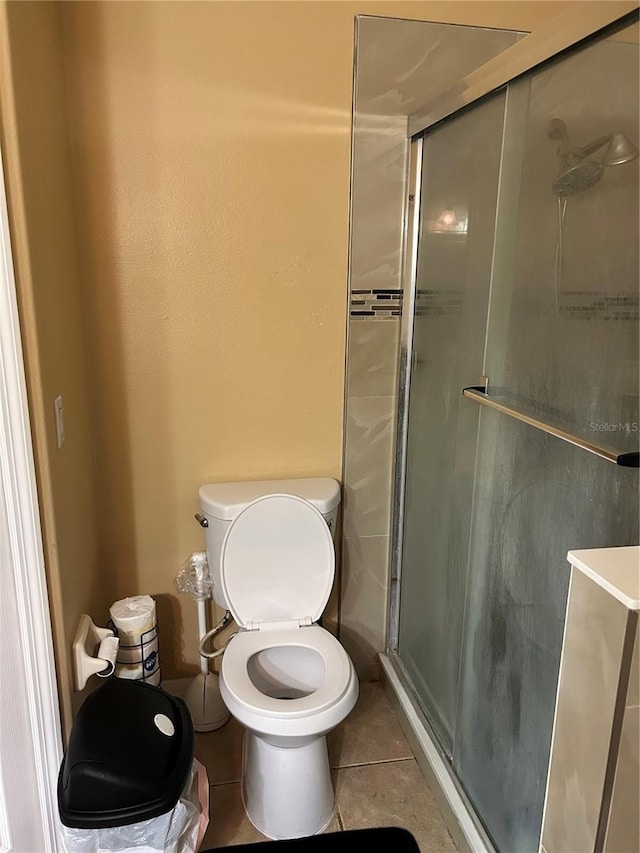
220	503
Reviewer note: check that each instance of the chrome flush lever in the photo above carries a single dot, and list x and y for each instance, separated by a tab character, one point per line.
202	521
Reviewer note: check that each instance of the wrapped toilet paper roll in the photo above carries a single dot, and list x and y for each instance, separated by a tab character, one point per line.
108	652
133	616
134	620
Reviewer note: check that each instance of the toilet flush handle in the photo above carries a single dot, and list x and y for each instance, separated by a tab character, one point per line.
202	521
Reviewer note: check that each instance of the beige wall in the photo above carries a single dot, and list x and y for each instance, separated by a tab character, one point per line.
212	145
211	159
37	163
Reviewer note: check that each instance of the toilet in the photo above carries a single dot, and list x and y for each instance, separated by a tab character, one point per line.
286	679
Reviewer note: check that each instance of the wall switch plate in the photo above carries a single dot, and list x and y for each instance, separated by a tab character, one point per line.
59	410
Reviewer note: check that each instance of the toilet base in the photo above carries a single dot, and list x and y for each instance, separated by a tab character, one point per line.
287	792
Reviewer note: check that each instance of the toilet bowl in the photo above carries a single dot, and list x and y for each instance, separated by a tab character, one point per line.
286	679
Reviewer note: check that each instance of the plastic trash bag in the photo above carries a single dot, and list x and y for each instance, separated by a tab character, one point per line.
179	831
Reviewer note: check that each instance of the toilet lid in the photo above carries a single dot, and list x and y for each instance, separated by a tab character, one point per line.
277	562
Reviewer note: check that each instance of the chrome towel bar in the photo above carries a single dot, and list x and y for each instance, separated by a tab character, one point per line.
627	460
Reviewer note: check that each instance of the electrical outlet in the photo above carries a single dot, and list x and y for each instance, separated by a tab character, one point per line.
59	410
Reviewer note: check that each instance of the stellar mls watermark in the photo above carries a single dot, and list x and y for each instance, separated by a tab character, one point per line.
614	426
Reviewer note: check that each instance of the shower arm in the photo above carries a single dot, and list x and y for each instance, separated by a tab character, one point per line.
620	149
571	155
592	147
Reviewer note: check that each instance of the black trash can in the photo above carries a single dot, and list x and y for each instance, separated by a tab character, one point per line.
129	757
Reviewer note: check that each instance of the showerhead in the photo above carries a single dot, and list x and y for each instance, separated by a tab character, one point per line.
577	172
577	177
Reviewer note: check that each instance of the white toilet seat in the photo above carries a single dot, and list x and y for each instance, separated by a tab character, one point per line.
338	671
277	562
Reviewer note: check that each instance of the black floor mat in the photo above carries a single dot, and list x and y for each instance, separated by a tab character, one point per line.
385	839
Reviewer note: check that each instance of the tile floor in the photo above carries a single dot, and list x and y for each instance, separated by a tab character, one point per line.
377	780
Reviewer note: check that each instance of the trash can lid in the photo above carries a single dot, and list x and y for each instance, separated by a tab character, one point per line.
128	759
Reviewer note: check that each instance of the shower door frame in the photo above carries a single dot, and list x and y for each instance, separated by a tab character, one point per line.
562	34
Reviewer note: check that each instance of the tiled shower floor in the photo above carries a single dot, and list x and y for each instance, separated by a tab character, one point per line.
377	780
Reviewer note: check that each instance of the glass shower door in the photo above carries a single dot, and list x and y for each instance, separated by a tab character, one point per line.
527	274
562	344
461	162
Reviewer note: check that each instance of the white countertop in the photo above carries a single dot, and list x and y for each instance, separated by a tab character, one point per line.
615	569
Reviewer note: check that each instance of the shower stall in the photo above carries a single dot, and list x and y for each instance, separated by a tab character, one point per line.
518	425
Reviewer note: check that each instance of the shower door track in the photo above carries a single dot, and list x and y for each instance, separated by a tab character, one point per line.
459	814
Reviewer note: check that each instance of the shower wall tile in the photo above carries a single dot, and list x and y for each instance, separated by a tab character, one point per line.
364	602
380	149
373	360
589	672
369	444
406	64
400	66
623	833
633	691
331	613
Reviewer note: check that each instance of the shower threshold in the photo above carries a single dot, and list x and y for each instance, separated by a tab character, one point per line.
466	830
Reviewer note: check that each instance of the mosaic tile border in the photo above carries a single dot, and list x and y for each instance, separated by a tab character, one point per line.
376	304
436	303
386	304
592	305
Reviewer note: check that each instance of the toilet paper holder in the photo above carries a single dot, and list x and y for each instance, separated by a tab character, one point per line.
94	651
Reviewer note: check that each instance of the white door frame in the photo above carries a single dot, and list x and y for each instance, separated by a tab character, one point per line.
30	731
